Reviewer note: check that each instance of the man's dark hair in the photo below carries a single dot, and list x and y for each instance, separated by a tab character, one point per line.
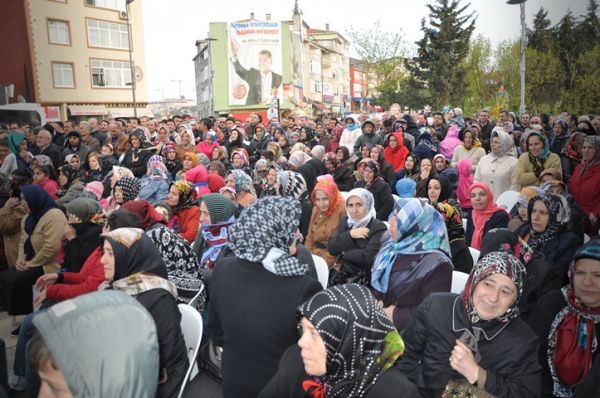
4	142
268	155
137	119
438	114
387	123
123	219
266	52
504	112
177	117
207	122
231	119
545	118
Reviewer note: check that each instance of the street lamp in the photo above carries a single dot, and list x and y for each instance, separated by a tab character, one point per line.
523	46
127	2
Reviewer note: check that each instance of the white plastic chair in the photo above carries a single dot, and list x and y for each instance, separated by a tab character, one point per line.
586	238
508	199
464	224
191	327
322	270
194	301
396	197
459	280
475	254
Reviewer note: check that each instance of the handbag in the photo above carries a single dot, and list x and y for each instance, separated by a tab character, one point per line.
337	276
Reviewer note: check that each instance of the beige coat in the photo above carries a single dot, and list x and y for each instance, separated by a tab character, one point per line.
473	154
525	174
46	240
321	229
500	174
10	229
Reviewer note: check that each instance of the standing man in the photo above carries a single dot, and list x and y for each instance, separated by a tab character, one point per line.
486	128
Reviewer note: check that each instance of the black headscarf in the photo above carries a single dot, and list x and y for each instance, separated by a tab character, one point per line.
71	173
39	202
446	192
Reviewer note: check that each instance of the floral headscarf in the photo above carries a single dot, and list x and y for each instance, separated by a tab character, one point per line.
559	214
243	182
187	195
326	184
494	263
131	187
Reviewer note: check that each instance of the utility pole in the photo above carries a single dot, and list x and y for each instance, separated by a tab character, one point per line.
131	68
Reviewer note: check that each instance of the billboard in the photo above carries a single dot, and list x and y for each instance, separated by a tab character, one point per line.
254	62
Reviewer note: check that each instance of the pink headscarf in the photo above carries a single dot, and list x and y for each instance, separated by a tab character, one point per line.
480	217
198	177
450	143
465	180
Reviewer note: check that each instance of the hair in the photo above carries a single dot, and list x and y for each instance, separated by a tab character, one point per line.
207	122
45	170
268	155
4	142
231	119
266	52
38	354
177	116
438	114
137	119
123	219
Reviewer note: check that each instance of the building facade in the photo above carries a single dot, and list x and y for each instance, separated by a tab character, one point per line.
74	55
204	76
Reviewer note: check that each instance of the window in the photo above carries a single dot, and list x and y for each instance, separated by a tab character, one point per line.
316	86
107	73
107	34
315	66
62	75
58	32
112	4
358	75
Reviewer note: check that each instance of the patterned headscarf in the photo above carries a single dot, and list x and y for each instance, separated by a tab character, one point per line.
71	173
292	184
158	170
527	194
494	263
421	229
326	184
593	140
264	232
243	182
572	340
505	240
242	154
507	144
360	340
559	214
369	202
43	160
131	187
187	195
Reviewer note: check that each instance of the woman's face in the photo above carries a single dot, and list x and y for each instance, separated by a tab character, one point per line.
434	189
295	138
272	177
393	142
322	200
375	154
303	135
368	174
339	154
479	199
586	281
522	212
38	175
282	141
312	350
440	163
426	165
108	261
173	197
557	189
208	139
364	151
105	151
495	144
118	194
204	214
259	132
162	135
409	163
230	181
588	152
468	138
135	142
236	161
93	163
356	208
23	146
62	179
187	163
185	138
216	154
233	135
535	145
493	296
539	216
74	162
557	129
171	154
329	166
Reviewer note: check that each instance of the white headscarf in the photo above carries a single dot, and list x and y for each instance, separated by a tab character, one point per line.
369	202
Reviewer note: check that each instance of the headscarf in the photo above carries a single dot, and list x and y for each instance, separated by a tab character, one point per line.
425	147
158	170
368	200
198	177
507	144
421	229
187	195
405	188
505	240
264	232
573	147
595	141
538	162
526	194
465	181
85	209
494	263
203	159
14	140
332	157
480	217
564	134
39	203
360	340
572	340
458	118
559	214
449	144
556	174
243	182
275	149
135	252
545	187
395	156
131	187
71	173
120	171
43	160
192	156
216	234
141	135
146	211
243	156
439	155
298	159
446	192
326	184
292	184
96	188
215	182
318	152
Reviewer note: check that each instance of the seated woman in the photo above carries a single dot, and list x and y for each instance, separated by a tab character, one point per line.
327	212
136	158
82	235
342	175
469	149
179	258
566	322
386	169
41	235
155	184
426	171
486	215
584	183
244	188
463	190
133	265
365	151
344	350
406	188
70	185
182	199
357	240
93	169
395	152
413	262
547	232
374	183
538	158
490	350
410	168
519	211
263	276
440	198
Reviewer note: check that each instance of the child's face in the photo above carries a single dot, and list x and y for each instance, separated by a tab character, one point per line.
38	175
93	162
171	154
106	151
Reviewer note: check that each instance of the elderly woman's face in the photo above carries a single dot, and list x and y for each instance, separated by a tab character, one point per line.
230	181
588	152
493	296
356	208
586	281
312	349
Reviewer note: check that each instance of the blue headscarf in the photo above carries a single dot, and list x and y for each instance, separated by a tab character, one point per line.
546	151
14	140
39	202
405	188
421	229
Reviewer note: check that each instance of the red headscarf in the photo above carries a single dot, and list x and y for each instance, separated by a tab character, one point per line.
145	210
396	156
215	183
480	217
326	184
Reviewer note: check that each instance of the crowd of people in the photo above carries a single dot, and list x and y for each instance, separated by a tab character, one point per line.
119	221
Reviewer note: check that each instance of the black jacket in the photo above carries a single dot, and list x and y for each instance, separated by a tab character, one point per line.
139	165
54	152
287	382
510	358
498	220
384	201
357	254
252	315
252	77
344	179
78	249
310	171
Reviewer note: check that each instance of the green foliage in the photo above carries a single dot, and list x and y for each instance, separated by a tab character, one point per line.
544	80
541	38
585	96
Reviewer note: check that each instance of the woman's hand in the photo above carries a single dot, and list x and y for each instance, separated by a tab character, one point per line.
359	233
11	203
463	361
40	298
21	265
46	280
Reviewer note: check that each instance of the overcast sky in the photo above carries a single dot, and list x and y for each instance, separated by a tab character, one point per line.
172	27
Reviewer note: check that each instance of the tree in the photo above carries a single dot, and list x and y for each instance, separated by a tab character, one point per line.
569	47
544	80
478	66
585	97
589	28
438	65
540	38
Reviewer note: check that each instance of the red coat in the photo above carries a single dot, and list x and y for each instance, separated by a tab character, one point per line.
77	283
584	188
189	221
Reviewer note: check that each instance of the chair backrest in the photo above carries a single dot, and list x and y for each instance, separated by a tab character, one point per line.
322	270
475	254
191	327
586	238
194	301
464	220
459	280
396	197
508	199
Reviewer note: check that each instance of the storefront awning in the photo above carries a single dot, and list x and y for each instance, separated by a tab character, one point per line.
88	110
320	106
116	113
